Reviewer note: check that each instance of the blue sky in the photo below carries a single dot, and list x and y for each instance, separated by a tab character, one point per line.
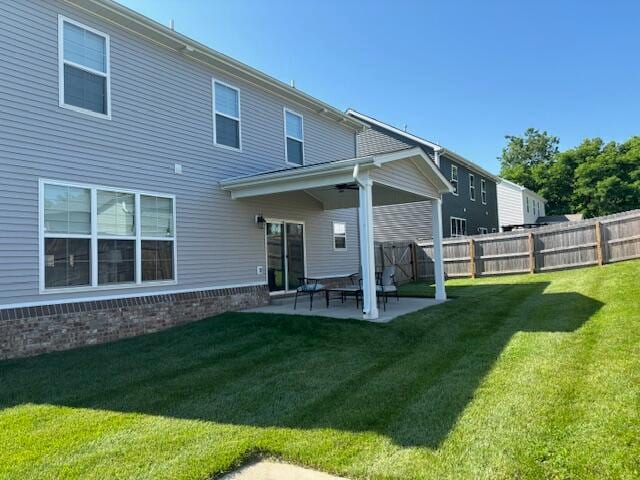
461	73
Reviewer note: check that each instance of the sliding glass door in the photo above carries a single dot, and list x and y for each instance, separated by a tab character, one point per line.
285	255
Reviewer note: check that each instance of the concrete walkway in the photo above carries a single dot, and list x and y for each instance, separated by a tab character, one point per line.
395	308
270	470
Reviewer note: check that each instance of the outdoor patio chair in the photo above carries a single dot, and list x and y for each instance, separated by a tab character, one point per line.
386	285
309	286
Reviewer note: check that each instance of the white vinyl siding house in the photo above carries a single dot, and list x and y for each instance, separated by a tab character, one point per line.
518	205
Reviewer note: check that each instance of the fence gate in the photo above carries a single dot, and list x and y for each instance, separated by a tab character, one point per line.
400	254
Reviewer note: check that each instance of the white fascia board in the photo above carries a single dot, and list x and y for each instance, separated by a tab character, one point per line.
326	174
160	35
434	146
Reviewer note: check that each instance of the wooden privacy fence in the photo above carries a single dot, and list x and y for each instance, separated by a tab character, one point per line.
588	242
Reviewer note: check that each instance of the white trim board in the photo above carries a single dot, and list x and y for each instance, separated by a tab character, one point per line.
127	295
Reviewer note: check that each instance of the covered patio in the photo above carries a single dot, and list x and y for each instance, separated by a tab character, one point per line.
402	176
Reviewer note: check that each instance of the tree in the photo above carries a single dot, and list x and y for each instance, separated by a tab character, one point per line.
525	160
593	178
608	182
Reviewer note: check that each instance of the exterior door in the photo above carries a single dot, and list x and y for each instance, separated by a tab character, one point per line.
285	255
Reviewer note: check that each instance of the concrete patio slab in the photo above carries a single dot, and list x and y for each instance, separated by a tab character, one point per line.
270	470
336	309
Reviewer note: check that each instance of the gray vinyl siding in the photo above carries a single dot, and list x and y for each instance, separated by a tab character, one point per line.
404	175
161	115
376	140
395	223
408	219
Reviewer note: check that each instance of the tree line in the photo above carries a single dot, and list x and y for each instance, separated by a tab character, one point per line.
595	178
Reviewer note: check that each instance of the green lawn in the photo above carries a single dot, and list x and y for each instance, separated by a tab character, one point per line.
517	377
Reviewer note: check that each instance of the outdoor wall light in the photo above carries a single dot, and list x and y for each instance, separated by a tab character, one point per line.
260	221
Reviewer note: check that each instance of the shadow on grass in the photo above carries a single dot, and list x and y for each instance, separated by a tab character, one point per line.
408	380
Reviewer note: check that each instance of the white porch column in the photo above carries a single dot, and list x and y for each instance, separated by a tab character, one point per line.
438	265
367	254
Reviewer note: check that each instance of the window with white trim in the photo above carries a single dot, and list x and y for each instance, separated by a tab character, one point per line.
226	115
97	237
458	227
293	137
472	187
454	178
483	191
83	68
483	230
527	204
339	236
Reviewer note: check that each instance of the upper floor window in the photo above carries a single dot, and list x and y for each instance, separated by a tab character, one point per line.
483	190
454	178
294	137
472	187
527	204
83	68
339	236
226	115
98	237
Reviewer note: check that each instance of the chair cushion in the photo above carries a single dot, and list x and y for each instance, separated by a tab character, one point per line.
311	287
386	289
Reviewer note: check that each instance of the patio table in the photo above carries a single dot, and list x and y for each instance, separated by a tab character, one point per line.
348	291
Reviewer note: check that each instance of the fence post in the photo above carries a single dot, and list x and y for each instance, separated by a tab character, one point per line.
472	258
532	254
599	255
414	261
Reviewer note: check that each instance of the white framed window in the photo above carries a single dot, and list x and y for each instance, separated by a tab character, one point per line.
339	236
483	191
227	129
483	230
94	237
458	227
454	178
84	77
293	137
472	187
527	204
494	230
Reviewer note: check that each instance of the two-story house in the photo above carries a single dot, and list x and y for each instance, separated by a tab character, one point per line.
148	180
471	209
518	206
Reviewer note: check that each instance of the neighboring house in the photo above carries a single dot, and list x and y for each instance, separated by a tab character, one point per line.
149	180
470	210
518	206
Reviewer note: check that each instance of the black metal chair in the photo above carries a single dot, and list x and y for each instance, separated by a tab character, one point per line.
386	285
308	286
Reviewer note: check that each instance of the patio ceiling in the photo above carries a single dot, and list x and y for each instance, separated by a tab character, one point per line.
402	176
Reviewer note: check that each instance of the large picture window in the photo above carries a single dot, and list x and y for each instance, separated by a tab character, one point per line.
294	137
97	237
226	115
84	68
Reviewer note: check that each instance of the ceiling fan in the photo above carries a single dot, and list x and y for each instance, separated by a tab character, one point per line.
346	186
